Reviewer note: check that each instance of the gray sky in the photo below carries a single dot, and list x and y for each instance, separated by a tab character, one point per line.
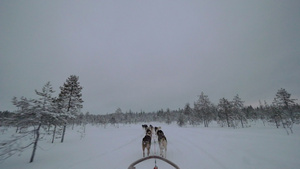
150	55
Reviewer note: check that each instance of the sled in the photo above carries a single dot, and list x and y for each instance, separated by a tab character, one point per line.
151	157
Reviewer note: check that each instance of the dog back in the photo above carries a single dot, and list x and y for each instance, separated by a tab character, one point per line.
162	138
147	140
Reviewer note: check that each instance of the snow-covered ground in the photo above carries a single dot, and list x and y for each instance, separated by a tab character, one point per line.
188	147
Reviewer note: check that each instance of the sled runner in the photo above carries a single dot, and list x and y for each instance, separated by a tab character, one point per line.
155	157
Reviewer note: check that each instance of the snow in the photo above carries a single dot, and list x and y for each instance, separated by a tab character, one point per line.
189	147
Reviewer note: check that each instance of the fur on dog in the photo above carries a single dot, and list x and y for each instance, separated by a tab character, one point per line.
162	141
156	129
146	144
159	133
149	132
151	128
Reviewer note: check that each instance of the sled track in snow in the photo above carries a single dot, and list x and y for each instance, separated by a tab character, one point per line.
111	151
122	146
188	142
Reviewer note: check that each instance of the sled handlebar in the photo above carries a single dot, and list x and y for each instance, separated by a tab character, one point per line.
150	157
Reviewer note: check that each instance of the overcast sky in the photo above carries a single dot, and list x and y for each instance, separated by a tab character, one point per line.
150	55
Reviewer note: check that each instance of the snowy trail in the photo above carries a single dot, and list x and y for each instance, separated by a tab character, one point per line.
188	151
107	155
120	149
185	143
188	147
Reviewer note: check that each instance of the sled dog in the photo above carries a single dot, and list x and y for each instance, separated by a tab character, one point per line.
162	141
146	144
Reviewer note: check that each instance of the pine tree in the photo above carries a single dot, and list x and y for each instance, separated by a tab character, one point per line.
264	112
24	117
237	106
204	109
225	112
70	100
118	116
43	108
188	112
168	119
284	105
59	116
181	120
33	115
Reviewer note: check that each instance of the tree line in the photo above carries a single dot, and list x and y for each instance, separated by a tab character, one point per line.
283	112
49	115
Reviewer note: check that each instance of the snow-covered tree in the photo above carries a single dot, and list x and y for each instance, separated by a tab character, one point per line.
274	115
33	115
237	107
188	113
117	117
23	119
70	98
204	109
225	112
264	112
181	120
168	119
284	104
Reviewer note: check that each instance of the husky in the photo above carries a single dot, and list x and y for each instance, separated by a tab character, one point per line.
146	143
162	141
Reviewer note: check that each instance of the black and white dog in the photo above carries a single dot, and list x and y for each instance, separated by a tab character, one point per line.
162	141
146	142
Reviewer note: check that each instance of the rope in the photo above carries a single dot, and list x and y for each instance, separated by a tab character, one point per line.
154	146
155	167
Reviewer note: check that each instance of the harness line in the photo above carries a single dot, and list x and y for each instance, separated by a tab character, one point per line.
155	167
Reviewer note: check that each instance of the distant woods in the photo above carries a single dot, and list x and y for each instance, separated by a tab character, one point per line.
283	112
64	110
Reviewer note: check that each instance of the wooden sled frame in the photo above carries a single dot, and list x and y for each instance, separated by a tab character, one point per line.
150	157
